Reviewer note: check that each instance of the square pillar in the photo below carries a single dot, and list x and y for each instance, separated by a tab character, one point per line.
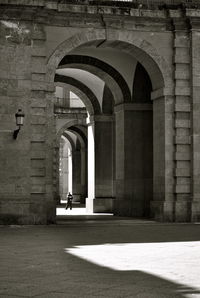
134	159
76	160
100	164
195	70
162	205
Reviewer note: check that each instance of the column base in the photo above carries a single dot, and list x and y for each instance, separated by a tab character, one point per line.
162	211
173	211
99	205
182	211
76	197
195	216
129	208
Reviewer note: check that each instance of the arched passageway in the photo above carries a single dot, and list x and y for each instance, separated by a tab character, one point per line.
72	166
122	135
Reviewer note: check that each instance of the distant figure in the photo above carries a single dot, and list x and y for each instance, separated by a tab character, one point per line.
69	201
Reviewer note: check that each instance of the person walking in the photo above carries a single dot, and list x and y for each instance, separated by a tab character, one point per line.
69	201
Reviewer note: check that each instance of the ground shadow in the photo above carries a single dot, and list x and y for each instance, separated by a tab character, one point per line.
34	262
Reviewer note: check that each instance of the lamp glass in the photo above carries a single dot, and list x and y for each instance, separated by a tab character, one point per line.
19	118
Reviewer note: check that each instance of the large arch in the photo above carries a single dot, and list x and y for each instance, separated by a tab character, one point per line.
141	49
160	76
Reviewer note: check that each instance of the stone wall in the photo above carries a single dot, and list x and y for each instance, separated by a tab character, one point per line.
31	37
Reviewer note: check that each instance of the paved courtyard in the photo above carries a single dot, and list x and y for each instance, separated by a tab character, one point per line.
100	257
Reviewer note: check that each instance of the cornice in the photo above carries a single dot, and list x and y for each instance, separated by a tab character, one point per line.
76	15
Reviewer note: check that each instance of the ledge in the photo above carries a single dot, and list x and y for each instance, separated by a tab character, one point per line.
142	8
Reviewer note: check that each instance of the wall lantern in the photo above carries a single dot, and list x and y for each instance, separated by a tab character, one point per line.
19	122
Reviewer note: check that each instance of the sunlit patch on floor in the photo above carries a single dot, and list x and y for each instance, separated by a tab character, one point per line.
77	211
178	262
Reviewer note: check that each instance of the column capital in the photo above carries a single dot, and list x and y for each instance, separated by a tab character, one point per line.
132	106
158	93
100	118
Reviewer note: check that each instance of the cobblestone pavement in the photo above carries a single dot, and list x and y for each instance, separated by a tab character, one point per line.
100	258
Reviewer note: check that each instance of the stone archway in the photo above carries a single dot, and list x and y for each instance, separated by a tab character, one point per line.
60	131
78	161
162	94
65	166
79	164
142	50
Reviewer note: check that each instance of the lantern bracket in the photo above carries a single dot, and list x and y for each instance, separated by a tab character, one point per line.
15	133
19	122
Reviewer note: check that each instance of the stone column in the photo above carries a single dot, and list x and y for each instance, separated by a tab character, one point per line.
42	132
63	170
182	125
91	167
100	164
163	155
65	173
134	159
172	141
195	71
70	170
76	157
83	175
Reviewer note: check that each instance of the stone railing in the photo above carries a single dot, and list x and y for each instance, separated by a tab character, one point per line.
62	106
79	112
60	102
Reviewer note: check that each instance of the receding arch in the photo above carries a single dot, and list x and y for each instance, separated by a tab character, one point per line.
111	83
64	170
76	91
71	141
79	162
65	127
90	100
80	134
107	72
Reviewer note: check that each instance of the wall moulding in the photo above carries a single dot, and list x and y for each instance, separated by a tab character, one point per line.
133	107
156	94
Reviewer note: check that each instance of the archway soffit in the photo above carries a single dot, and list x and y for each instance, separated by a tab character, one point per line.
99	65
142	50
70	140
79	134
